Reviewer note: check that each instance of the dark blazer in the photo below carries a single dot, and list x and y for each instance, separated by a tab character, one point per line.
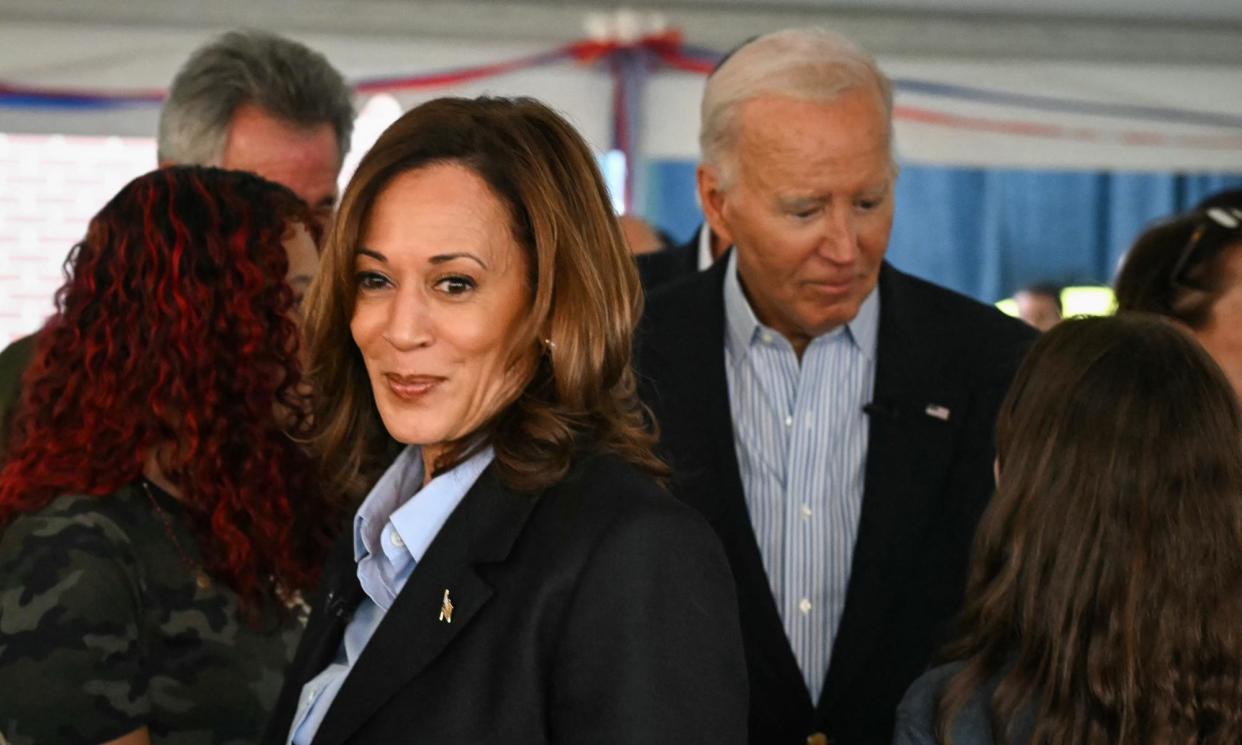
659	268
599	611
927	480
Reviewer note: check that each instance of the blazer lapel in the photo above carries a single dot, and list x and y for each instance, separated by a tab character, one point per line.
481	530
337	606
908	453
688	360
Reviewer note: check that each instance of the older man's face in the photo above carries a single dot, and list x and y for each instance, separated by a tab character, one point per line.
306	160
809	208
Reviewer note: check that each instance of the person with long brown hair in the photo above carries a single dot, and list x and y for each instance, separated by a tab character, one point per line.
1105	596
157	520
515	572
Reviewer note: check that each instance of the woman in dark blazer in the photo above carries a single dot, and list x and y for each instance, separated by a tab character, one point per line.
514	572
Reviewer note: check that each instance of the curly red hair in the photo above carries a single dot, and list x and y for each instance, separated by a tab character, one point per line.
174	334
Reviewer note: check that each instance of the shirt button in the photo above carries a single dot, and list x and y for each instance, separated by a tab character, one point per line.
767	338
788	421
804	605
395	537
806	511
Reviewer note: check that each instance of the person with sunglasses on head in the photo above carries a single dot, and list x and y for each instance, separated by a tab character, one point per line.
1189	269
1224	198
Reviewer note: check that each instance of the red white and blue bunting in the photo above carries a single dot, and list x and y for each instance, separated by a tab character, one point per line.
978	111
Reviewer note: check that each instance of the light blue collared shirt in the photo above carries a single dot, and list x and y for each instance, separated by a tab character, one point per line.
801	439
392	530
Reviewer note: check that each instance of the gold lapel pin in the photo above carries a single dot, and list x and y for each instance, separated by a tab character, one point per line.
446	608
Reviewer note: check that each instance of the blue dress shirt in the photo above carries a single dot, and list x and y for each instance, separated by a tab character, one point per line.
801	439
392	530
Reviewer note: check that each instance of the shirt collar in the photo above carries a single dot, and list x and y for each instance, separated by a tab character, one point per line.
742	327
398	484
416	512
419	520
865	326
705	247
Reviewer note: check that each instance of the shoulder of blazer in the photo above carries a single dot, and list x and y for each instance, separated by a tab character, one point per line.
950	326
658	268
601	488
692	307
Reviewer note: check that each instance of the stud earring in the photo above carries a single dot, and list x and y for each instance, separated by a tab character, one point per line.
551	345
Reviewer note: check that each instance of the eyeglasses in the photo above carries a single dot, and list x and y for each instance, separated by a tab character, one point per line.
1215	223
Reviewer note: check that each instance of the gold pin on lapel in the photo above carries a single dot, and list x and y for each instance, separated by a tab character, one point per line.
446	608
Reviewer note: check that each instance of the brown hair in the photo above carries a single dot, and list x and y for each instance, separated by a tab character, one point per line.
1146	283
586	299
1105	591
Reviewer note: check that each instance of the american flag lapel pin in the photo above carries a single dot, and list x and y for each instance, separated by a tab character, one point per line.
446	608
937	411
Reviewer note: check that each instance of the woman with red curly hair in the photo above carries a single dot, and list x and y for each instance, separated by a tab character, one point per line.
157	519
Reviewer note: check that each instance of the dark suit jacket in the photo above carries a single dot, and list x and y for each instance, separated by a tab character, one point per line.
659	268
601	611
14	359
927	480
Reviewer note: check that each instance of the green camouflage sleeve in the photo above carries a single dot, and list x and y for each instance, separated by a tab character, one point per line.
71	660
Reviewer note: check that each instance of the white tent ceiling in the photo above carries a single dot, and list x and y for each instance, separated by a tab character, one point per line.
1152	30
1120	53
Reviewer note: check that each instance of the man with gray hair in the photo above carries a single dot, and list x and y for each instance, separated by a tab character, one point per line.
247	101
254	101
831	416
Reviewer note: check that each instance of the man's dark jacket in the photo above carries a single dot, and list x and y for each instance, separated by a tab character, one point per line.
659	268
943	364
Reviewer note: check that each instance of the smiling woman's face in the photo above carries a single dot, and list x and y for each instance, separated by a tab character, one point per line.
441	289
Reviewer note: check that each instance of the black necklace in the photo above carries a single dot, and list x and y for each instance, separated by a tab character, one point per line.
196	570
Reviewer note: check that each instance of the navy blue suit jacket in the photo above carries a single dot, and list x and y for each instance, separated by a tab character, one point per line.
927	480
659	268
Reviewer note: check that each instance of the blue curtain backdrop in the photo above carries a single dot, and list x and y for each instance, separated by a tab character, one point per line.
989	232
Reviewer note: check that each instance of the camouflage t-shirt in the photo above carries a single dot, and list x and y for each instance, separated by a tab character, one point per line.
103	630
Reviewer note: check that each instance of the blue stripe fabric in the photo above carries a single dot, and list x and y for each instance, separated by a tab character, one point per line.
990	232
801	439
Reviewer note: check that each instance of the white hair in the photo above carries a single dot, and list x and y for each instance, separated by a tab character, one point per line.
812	64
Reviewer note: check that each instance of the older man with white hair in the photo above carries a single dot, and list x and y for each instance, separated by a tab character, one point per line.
830	415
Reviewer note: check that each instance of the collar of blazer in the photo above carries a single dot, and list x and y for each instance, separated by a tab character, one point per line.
482	530
910	452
